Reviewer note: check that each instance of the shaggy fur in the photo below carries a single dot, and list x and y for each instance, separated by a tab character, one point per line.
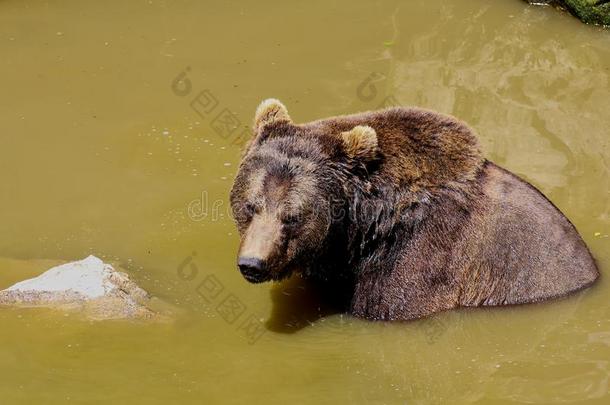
399	209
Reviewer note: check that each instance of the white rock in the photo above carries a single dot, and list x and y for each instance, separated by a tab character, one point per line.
89	277
90	286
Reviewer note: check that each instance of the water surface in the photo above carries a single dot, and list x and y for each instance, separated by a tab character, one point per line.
103	152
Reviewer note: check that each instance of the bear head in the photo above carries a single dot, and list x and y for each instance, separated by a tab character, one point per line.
289	196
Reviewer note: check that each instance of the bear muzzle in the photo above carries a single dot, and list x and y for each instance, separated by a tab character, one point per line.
259	246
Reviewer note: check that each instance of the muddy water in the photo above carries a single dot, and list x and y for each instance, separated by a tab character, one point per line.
120	124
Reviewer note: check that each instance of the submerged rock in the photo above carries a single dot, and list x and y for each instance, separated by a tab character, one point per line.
589	11
89	286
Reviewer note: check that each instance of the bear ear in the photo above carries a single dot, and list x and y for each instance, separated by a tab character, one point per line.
360	143
270	110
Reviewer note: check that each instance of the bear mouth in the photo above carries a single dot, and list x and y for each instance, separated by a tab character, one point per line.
256	278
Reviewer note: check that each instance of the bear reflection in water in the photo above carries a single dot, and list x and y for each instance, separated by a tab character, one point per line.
399	209
298	303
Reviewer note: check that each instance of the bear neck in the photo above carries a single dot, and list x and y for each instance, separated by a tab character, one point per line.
383	219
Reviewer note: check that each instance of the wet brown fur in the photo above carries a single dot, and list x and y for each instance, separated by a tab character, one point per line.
430	224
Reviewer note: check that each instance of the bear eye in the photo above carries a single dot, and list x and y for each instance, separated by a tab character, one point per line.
291	221
249	210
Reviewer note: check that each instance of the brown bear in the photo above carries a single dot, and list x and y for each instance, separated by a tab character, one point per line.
401	212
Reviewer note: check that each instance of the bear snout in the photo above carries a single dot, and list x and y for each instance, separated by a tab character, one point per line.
253	269
259	248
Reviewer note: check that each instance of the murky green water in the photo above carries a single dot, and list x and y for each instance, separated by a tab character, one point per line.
100	154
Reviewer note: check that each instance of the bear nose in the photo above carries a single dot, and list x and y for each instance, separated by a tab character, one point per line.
251	268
